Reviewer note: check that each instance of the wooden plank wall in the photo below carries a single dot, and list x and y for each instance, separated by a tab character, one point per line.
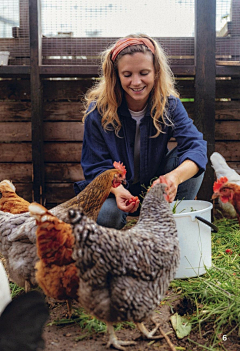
15	136
63	135
227	117
61	97
63	131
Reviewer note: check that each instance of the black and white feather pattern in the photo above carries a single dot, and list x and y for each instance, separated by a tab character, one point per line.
125	274
18	246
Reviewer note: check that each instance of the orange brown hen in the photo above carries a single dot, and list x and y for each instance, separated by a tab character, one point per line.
56	271
227	192
10	201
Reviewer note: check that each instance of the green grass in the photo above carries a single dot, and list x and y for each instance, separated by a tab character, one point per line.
88	324
216	293
15	289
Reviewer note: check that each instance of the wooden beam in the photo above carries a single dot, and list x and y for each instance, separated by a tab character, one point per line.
36	102
69	71
227	71
222	70
93	70
205	42
8	71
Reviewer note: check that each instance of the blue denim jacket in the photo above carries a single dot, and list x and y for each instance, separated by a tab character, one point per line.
101	148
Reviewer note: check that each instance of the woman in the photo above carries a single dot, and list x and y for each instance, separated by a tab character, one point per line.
131	114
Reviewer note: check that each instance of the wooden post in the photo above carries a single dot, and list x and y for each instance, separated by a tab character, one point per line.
36	101
24	18
204	118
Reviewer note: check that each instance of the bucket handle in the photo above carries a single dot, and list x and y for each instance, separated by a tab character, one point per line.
214	228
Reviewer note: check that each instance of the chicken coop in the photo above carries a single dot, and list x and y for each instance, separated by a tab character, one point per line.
50	55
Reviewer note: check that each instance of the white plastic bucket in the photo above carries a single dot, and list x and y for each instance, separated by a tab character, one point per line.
4	55
194	237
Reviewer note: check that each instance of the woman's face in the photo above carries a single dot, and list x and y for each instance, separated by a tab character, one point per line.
136	73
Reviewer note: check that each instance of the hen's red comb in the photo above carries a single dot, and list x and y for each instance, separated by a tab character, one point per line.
219	183
120	166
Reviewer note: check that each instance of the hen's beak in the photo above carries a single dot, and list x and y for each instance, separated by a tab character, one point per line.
215	196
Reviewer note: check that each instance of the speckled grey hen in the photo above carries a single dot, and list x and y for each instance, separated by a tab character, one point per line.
18	231
125	274
18	247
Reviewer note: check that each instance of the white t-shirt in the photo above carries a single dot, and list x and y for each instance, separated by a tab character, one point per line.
137	116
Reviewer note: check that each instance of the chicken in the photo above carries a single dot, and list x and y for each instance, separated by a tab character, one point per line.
124	275
227	192
93	196
222	169
56	272
18	247
22	321
17	231
5	294
10	201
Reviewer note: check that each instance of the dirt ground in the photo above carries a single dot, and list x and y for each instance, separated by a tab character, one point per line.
63	338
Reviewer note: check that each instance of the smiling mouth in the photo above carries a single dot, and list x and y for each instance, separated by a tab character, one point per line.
136	90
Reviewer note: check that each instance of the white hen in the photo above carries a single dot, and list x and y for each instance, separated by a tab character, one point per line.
5	294
222	169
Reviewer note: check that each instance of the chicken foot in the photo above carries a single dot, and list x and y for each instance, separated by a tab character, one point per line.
149	334
113	340
69	308
27	286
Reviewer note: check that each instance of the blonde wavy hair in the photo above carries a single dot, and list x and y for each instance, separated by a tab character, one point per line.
107	93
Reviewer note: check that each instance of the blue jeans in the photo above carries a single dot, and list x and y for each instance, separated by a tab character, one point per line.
110	215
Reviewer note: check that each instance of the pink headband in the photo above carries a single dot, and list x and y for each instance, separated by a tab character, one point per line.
124	43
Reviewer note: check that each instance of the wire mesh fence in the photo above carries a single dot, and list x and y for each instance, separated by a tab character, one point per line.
75	32
228	32
14	31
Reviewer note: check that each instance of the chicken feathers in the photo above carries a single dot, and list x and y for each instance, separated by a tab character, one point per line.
93	196
124	275
18	247
56	271
227	193
10	201
17	231
5	294
222	169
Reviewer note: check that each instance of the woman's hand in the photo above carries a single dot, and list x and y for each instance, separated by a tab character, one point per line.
172	182
183	172
172	185
125	200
